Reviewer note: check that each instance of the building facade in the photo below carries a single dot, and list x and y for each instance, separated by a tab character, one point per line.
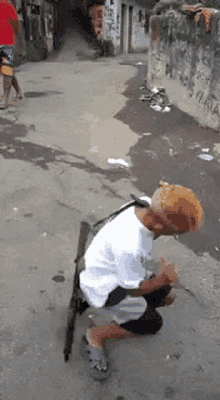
38	24
123	22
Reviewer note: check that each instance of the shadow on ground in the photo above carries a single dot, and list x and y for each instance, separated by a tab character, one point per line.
11	147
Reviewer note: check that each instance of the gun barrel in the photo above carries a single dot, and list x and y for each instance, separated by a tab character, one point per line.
72	313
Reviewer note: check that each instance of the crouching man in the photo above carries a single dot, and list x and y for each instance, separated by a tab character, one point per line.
116	280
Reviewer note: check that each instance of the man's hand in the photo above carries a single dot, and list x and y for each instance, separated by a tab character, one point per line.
168	276
169	272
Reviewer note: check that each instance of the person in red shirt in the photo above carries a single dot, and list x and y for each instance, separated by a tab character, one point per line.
9	29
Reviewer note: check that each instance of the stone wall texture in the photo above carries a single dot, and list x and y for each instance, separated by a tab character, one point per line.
184	57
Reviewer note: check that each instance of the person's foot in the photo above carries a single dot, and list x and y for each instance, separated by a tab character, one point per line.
101	365
19	95
95	355
15	102
4	103
3	106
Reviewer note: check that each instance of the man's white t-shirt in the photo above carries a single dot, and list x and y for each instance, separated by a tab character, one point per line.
117	257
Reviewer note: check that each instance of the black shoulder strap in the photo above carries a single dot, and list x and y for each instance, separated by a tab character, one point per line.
136	202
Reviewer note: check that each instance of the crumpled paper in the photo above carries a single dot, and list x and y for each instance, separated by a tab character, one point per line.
118	161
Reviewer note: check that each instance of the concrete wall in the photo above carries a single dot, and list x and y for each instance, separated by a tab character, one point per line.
139	38
185	58
114	21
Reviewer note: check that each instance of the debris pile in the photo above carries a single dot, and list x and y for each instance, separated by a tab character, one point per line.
157	98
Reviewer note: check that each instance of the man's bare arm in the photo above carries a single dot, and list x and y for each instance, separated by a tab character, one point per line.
148	286
16	26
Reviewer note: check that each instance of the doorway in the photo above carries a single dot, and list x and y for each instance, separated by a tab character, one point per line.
122	34
130	30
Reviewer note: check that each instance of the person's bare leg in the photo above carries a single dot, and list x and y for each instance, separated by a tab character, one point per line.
16	86
7	88
98	335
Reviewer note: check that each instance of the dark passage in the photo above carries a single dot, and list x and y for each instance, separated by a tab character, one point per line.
74	36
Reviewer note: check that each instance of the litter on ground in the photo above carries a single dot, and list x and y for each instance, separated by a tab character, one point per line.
157	98
154	90
156	107
118	161
171	153
166	109
206	157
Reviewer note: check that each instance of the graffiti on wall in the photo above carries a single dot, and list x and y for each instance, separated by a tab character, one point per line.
97	15
117	27
110	22
209	103
202	79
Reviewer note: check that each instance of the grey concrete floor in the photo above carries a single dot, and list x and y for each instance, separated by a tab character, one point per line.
54	172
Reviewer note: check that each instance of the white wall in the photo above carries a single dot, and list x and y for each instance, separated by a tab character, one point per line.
140	39
112	26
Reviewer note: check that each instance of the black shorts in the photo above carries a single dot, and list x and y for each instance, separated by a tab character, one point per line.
10	53
151	321
7	54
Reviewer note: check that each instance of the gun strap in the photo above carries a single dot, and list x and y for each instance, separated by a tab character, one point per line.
136	202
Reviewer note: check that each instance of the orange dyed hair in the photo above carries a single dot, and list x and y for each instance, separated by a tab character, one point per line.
180	205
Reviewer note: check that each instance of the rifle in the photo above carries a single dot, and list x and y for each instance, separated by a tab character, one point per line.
76	304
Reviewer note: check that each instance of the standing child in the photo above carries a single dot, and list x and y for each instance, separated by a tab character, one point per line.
9	29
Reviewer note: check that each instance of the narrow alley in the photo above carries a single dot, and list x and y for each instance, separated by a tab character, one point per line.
78	112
